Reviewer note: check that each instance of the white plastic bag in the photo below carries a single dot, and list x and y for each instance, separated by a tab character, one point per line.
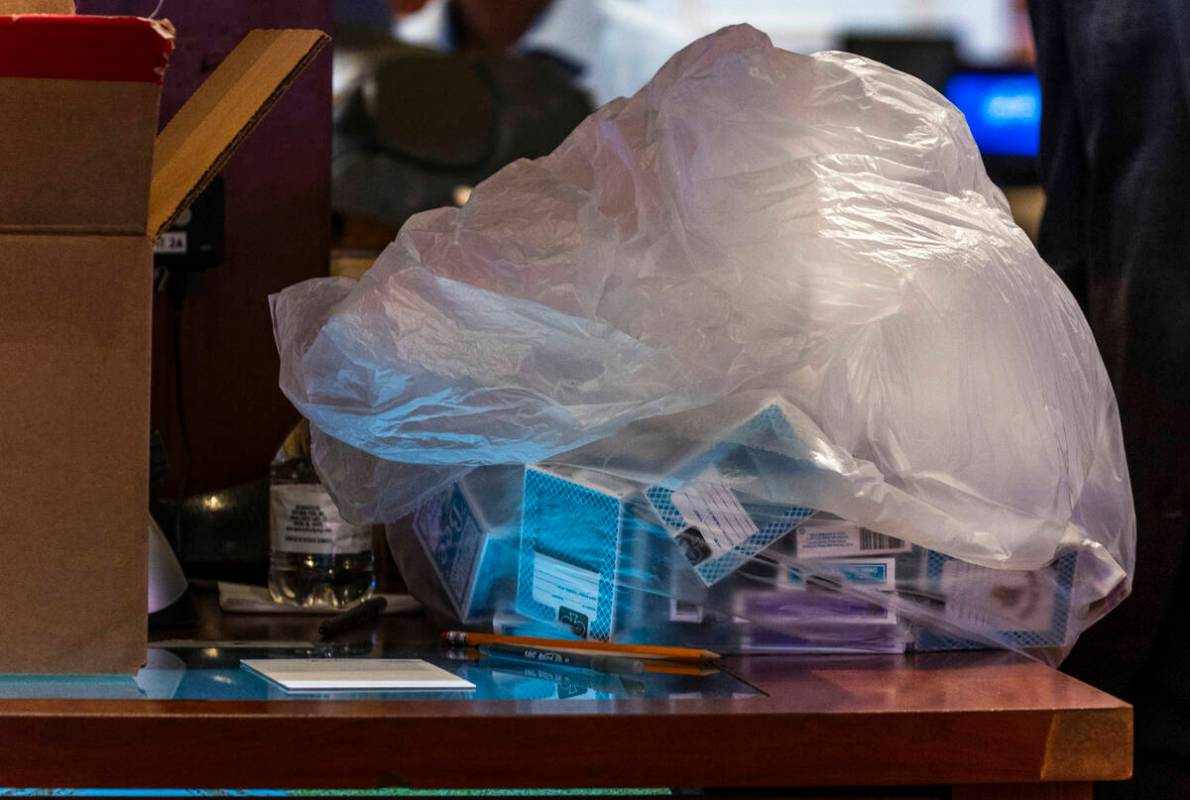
815	229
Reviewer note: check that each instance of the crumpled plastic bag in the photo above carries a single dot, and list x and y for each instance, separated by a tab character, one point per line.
815	228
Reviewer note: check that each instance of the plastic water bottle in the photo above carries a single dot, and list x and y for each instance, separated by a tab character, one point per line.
317	558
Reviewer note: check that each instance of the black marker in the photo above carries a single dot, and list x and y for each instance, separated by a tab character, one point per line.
364	612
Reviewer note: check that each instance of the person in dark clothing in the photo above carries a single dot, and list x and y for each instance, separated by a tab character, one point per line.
1115	161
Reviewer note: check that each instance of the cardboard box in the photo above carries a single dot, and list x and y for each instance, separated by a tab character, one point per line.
87	187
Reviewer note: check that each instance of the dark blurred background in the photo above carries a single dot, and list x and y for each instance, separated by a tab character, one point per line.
978	52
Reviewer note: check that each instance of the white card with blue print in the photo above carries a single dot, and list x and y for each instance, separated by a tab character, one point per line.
707	504
867	573
834	538
715	531
571	592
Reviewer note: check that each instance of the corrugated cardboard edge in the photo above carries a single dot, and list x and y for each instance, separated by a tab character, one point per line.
203	135
9	7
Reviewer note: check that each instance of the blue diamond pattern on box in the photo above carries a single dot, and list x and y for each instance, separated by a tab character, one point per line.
1019	609
718	529
469	532
572	527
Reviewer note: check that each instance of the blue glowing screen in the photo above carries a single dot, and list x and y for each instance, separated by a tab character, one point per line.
1003	110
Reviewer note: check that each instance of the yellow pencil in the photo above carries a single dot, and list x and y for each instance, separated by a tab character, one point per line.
697	669
461	638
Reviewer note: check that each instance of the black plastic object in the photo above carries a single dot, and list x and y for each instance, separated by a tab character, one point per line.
195	240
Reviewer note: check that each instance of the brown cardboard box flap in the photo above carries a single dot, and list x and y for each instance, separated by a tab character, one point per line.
204	133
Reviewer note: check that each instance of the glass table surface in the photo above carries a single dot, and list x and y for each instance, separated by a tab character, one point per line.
199	672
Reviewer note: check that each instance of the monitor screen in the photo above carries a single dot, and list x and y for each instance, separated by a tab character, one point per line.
1003	110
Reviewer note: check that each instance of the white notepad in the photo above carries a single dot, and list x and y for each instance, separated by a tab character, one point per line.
320	674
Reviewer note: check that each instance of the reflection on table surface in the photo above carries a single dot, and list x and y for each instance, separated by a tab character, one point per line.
199	672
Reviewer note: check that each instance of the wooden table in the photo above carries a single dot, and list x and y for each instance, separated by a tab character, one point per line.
990	724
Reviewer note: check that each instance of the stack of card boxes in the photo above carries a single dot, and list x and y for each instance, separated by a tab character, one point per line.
596	562
1009	608
602	557
783	603
469	531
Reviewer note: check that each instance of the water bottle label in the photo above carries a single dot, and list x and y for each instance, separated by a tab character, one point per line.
304	519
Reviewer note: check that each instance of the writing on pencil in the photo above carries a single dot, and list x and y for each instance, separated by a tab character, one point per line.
685	654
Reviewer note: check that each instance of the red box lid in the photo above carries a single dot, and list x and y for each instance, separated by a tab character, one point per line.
84	48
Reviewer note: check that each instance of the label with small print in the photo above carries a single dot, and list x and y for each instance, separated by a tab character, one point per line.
713	514
835	538
304	519
171	243
870	573
572	592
